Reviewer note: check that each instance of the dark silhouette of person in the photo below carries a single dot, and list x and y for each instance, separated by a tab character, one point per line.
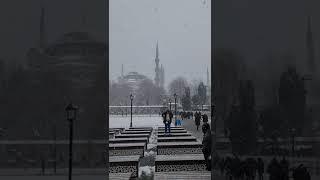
260	166
284	169
197	119
205	118
167	119
301	172
222	165
274	170
42	166
206	145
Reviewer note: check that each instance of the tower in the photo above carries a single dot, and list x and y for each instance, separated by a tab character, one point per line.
157	69
208	82
310	48
162	77
122	71
42	38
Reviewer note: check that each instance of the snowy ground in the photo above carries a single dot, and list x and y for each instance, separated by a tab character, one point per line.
116	121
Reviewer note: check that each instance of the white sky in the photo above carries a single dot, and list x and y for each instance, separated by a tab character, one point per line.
182	28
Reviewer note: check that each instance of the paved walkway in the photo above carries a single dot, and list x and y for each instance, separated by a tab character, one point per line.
190	125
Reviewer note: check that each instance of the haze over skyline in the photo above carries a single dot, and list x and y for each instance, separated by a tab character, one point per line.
181	27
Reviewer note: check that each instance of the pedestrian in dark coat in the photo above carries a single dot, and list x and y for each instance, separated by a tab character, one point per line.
284	169
197	118
206	145
205	118
274	170
167	119
260	168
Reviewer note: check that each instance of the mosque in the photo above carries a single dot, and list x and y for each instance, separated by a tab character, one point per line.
133	79
77	61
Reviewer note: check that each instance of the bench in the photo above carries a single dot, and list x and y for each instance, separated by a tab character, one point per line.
136	132
173	134
127	149
120	176
177	139
129	140
132	135
183	175
124	164
189	162
173	148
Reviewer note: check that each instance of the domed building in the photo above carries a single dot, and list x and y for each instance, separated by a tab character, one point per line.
76	64
75	57
133	79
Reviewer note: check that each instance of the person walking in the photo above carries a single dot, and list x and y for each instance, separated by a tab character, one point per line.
284	164
205	118
206	142
274	170
260	165
197	118
167	119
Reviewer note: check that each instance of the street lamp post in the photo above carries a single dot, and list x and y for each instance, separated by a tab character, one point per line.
131	99
71	112
214	119
170	104
292	132
55	147
175	106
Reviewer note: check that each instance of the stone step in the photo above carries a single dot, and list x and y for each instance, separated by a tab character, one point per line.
174	134
120	176
181	162
146	128
162	128
124	164
127	149
176	148
132	135
183	175
173	131
129	140
136	132
149	130
177	139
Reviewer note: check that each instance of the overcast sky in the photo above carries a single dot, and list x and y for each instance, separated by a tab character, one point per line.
182	28
21	21
257	27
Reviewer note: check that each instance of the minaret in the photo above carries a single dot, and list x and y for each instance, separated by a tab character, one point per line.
42	39
157	69
122	73
208	82
162	77
310	48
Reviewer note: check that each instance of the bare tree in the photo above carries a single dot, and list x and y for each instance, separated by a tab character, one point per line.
147	93
178	86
